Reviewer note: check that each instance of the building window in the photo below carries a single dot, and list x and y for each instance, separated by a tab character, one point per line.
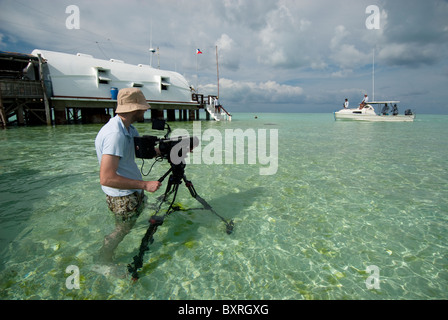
164	83
102	75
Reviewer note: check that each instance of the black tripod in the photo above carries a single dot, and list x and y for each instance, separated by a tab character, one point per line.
177	176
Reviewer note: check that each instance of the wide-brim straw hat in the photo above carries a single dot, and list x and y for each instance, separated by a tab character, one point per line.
131	99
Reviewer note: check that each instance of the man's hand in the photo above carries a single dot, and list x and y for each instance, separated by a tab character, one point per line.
151	186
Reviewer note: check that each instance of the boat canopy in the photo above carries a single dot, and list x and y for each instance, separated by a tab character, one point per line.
382	102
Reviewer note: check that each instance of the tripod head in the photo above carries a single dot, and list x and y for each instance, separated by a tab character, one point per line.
178	171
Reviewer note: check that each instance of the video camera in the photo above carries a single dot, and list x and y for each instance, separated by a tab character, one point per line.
174	149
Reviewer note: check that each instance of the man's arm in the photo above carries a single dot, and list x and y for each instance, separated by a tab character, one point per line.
110	178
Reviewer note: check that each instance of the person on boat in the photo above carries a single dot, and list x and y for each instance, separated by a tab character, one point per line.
346	104
364	102
120	178
395	110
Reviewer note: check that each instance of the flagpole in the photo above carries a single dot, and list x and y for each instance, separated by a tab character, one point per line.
198	51
197	91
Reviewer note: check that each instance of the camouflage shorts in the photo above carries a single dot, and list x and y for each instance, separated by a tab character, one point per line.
126	207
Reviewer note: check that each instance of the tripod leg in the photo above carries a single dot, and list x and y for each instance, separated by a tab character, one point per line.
154	222
147	239
168	189
190	187
194	194
164	176
229	224
189	184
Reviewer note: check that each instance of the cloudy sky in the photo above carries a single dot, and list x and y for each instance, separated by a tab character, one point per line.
274	55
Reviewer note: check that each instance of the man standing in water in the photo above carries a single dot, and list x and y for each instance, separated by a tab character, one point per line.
120	177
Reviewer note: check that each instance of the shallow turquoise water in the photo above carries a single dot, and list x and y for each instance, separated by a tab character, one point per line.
346	196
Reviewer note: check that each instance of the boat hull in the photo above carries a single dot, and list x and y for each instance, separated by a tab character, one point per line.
368	114
377	118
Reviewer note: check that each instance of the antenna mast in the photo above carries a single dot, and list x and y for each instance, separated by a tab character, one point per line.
151	49
373	76
217	68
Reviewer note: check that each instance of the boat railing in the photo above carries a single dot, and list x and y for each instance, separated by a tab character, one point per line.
199	98
225	111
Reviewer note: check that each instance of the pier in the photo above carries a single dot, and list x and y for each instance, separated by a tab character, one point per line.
22	92
31	95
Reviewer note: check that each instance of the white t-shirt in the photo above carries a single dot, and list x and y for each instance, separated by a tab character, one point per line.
114	139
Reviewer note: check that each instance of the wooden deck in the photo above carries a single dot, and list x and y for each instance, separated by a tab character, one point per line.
23	99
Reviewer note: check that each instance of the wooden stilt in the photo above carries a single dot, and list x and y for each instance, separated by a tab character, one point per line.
171	114
44	91
19	115
2	112
191	115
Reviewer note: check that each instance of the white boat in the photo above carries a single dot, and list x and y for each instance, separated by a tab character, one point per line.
367	113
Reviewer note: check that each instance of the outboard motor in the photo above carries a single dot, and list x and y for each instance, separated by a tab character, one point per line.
408	112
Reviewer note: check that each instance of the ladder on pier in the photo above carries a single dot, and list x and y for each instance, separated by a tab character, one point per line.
219	114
